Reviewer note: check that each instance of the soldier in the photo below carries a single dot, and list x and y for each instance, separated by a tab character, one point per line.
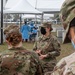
66	66
17	60
47	47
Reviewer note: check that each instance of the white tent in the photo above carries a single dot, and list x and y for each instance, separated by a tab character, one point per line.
32	16
11	3
4	3
48	15
22	6
51	6
29	16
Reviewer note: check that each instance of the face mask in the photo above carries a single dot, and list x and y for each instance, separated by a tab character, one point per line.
43	31
73	43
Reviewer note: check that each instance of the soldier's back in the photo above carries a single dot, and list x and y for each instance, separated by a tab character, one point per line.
20	62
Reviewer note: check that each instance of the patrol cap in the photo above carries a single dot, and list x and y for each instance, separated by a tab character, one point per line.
47	25
10	27
67	14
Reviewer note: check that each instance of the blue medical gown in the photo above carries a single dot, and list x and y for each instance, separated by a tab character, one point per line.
25	31
34	31
31	27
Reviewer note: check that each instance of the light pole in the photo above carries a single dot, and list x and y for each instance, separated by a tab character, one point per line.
1	21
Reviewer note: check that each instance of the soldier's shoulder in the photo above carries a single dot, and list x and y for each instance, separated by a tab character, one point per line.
6	52
28	55
53	37
40	38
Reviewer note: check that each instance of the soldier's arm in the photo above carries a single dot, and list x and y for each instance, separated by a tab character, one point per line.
59	68
37	65
56	49
61	63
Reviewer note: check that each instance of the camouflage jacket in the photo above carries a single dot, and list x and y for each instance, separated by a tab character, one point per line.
50	46
19	62
66	66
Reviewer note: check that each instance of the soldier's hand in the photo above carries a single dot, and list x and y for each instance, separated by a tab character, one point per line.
42	56
38	51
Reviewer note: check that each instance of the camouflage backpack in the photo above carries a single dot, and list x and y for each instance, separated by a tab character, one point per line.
16	64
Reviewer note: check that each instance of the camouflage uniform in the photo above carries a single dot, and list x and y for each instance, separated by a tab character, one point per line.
66	66
17	60
50	46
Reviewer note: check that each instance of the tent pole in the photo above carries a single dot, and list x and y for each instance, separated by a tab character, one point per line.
35	19
42	17
1	21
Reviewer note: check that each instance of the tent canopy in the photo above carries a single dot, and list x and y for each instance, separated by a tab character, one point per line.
11	3
50	6
22	7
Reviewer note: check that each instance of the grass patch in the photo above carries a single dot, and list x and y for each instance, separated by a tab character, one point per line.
66	49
